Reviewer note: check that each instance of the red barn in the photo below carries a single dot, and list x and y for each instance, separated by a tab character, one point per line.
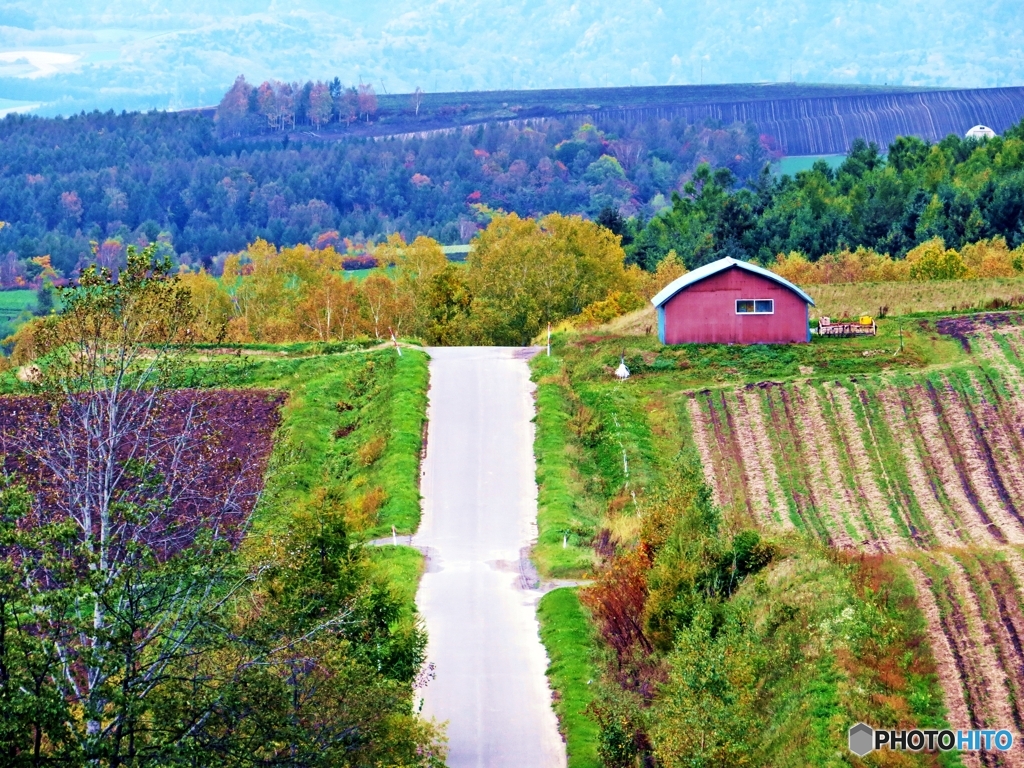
732	302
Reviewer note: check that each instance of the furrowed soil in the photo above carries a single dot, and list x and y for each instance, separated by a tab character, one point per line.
910	452
926	464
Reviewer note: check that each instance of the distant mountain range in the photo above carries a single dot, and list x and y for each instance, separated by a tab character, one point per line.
58	58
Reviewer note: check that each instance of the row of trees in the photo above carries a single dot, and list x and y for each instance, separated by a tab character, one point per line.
959	190
931	260
277	106
521	274
132	631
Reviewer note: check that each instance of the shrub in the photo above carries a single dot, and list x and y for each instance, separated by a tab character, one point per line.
933	261
372	450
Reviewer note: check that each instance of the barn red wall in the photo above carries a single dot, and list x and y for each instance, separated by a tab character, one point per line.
705	313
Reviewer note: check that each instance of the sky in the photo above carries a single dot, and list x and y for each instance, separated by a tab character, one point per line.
59	57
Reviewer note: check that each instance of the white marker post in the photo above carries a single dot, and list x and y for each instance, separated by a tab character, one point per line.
394	536
549	339
397	348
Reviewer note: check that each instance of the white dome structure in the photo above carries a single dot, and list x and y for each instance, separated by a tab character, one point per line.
980	132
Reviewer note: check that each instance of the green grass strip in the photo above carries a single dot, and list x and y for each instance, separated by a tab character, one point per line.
399	467
557	511
573	672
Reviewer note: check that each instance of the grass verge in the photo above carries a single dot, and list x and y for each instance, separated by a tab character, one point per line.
401	567
567	635
559	552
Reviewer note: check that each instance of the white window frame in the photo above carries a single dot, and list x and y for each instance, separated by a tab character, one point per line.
755	312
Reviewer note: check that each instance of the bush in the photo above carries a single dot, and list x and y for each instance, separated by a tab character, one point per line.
372	450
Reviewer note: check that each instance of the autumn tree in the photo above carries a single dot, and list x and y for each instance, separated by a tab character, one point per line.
524	274
329	307
211	304
232	114
933	261
266	103
367	101
447	304
320	104
387	308
415	264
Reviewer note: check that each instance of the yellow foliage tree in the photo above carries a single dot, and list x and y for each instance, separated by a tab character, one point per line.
669	268
329	308
933	261
795	267
211	303
524	273
992	258
386	308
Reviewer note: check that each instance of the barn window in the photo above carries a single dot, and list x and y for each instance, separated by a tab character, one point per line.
755	306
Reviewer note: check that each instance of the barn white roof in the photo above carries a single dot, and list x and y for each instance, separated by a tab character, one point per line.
980	132
715	267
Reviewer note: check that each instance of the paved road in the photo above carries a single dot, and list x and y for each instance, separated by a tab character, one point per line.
479	514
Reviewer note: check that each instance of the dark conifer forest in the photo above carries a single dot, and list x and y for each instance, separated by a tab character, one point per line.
102	180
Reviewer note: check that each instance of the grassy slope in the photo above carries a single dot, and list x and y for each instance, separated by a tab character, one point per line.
382	396
568	637
573	476
310	465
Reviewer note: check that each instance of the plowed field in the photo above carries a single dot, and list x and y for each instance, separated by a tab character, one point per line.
926	466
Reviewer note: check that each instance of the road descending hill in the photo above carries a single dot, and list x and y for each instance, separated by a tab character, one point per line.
477	601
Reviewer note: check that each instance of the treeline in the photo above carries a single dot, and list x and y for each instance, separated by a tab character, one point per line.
959	190
90	185
931	260
277	106
521	275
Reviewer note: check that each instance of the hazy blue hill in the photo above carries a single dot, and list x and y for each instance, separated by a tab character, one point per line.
160	54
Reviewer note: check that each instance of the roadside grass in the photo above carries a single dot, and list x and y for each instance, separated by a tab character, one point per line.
349	438
565	518
399	467
573	671
401	567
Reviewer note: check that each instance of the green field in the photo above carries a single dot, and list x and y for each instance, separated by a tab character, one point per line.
791	166
13	303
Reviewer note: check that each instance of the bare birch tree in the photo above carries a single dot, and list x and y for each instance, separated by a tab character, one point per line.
121	566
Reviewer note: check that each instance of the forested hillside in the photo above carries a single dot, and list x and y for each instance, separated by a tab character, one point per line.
116	179
83	188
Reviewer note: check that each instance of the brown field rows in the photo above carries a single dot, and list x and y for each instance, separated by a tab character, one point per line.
928	467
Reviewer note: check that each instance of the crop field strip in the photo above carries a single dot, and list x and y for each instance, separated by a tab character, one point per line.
924	466
971	600
877	465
